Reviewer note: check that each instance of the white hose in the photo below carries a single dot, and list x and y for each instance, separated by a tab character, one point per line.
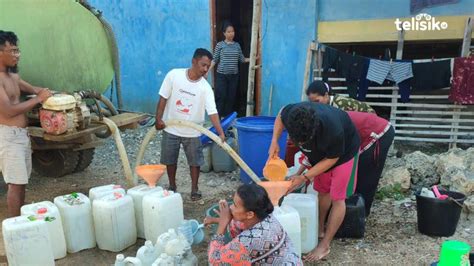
131	181
152	132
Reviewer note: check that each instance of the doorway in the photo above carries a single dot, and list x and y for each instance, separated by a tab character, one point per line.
239	13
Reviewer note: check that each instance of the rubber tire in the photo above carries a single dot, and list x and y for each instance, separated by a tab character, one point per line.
55	163
85	159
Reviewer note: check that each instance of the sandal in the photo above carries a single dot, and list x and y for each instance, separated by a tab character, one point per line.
196	195
170	188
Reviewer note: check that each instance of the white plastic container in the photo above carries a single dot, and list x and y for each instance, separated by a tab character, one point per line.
114	222
221	160
48	212
310	190
147	253
206	167
132	261
162	210
98	192
76	215
137	193
290	221
307	207
164	260
27	242
119	260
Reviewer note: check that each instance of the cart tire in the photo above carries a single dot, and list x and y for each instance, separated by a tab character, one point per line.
55	163
85	159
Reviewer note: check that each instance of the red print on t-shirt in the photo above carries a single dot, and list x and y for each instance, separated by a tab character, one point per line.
184	106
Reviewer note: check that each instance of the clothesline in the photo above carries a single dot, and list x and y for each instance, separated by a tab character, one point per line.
323	46
421	75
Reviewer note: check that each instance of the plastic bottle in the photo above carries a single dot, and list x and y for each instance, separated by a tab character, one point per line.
132	261
147	253
119	260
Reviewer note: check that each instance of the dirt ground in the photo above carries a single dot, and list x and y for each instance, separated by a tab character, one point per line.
391	236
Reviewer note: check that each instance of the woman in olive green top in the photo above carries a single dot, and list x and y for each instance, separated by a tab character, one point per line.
320	91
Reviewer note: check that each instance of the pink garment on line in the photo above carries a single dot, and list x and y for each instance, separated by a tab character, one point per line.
462	87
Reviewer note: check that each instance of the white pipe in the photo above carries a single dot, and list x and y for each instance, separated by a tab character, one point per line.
152	132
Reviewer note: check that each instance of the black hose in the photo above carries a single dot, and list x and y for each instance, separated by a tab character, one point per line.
113	47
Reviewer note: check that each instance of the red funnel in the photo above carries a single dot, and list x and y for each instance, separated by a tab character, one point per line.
275	189
151	173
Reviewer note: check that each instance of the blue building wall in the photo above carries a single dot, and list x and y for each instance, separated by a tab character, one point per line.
334	10
287	29
154	36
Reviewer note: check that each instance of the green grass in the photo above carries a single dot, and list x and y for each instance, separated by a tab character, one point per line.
392	192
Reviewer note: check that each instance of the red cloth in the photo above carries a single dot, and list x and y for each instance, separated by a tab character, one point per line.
368	124
462	88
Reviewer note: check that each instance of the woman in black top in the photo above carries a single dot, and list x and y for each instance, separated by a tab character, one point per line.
327	136
227	56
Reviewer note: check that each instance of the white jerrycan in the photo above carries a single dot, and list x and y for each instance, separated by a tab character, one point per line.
27	242
147	253
162	210
76	215
48	212
307	207
114	222
289	219
137	193
164	260
100	191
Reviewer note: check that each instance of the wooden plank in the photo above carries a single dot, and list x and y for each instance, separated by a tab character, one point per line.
413	97
418	112
454	130
433	119
307	69
401	39
430	132
432	126
466	44
433	140
416	105
257	5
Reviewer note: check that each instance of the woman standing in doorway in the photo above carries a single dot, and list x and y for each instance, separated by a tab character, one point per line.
227	56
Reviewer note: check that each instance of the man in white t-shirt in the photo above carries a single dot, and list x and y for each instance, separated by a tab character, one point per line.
186	95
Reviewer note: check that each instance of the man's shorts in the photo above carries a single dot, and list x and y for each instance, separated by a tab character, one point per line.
340	181
15	155
170	145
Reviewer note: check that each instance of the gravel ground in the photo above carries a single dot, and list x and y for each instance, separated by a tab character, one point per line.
391	231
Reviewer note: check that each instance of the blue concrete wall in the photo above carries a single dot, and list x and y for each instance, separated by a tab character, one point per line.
154	36
288	27
334	10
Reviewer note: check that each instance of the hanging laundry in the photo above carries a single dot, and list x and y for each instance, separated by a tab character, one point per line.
330	60
397	71
351	67
462	88
418	5
431	76
363	81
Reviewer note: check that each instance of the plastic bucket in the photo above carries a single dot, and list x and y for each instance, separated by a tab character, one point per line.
211	213
454	253
439	217
254	137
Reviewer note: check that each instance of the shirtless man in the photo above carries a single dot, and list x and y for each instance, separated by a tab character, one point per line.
15	147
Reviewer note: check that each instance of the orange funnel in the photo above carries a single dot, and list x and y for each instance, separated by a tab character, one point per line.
275	189
151	173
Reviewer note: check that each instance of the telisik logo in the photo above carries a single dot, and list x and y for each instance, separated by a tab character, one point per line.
421	22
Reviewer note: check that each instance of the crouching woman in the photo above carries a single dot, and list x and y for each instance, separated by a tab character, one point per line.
257	237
